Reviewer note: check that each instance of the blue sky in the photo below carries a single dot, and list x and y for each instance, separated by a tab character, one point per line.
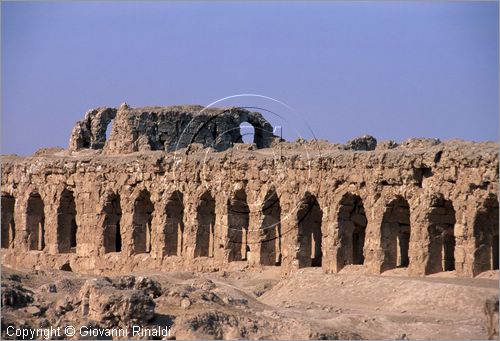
390	69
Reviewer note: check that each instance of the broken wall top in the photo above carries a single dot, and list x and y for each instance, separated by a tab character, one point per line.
166	128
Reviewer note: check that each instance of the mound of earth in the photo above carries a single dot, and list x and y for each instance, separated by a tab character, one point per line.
249	305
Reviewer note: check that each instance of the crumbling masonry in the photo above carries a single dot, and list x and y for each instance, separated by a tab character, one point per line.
174	188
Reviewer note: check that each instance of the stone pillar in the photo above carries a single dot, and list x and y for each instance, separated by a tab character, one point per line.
332	260
99	231
418	252
89	231
158	224
326	239
290	246
373	251
253	188
191	200
51	201
464	239
254	235
20	219
221	247
331	245
128	200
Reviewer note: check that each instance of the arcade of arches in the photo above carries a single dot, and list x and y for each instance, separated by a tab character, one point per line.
228	235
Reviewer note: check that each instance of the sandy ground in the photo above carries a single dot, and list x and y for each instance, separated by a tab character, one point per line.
388	306
350	304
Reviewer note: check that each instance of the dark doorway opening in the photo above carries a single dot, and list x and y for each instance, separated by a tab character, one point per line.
396	234
206	224
8	224
441	227
352	224
66	223
270	232
310	217
142	219
112	233
486	236
448	250
174	229
238	219
35	223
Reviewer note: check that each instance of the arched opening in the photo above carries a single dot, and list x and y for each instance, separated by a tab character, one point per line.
352	229
142	218
112	216
35	222
66	223
310	217
396	234
174	228
205	217
8	224
486	236
247	132
237	220
270	232
441	218
109	129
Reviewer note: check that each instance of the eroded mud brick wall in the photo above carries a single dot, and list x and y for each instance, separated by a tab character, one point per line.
424	205
382	209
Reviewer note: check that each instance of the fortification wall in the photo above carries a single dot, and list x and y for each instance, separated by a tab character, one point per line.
428	208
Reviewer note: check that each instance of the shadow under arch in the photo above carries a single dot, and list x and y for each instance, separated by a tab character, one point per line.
237	222
205	218
395	234
352	222
112	234
35	222
441	234
309	217
66	222
8	233
270	231
174	225
142	219
486	241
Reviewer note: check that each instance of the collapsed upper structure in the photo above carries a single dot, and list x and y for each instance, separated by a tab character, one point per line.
167	128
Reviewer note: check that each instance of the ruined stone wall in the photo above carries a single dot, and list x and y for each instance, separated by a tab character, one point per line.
91	131
428	208
166	128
